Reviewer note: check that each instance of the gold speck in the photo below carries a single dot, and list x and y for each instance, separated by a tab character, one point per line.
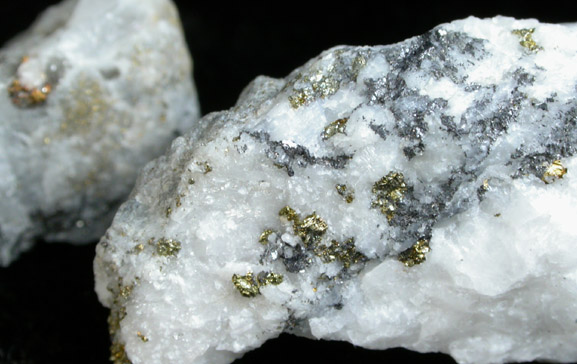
388	192
485	185
205	166
314	289
347	193
138	248
415	254
142	337
554	171
263	239
337	126
47	140
527	41
167	247
168	211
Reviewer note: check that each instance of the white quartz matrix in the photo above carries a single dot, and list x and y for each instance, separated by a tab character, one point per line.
421	194
88	95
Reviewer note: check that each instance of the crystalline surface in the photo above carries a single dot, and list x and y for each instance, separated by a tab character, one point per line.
89	94
420	194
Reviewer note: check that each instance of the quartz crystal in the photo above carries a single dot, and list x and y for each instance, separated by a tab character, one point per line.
420	194
88	95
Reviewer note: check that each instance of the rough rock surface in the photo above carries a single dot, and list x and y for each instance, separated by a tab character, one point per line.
89	94
420	194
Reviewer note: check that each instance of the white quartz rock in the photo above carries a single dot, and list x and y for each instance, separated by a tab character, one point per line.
89	94
432	204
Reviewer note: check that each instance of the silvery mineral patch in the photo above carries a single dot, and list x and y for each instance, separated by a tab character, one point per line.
420	194
89	94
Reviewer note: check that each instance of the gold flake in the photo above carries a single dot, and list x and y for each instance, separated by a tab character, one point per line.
347	193
289	213
246	285
263	239
300	98
554	171
265	278
311	229
142	336
249	286
415	254
168	211
23	96
337	126
126	291
138	248
388	192
527	41
315	85
167	247
345	252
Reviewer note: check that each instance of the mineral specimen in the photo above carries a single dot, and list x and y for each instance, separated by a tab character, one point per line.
89	94
420	194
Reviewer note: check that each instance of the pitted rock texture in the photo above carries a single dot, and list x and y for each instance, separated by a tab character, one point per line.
419	194
89	94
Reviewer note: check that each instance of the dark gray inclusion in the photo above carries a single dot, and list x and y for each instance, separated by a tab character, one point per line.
448	55
289	157
494	109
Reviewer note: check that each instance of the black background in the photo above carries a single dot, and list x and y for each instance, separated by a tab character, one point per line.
48	310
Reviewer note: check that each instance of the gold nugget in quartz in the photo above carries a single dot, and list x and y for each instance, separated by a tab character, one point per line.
388	192
416	254
527	41
554	171
249	285
336	127
23	96
263	238
346	192
167	247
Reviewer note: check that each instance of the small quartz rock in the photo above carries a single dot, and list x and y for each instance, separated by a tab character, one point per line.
420	194
88	95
